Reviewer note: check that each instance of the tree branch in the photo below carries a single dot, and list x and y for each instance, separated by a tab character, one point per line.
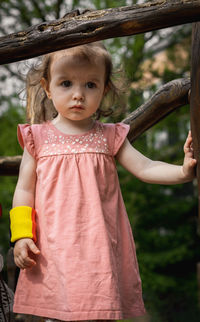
96	25
13	73
9	166
195	103
168	98
38	9
57	8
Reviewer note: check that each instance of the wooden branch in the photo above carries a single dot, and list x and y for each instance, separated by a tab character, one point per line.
9	166
195	102
169	97
96	25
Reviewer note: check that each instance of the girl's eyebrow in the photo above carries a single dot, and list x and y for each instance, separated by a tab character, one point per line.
93	78
87	78
62	77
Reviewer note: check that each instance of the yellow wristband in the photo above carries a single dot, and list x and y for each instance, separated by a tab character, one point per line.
22	223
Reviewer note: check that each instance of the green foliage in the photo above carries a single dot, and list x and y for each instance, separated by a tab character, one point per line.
8	124
8	147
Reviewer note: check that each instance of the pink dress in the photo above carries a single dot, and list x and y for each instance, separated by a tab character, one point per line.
87	269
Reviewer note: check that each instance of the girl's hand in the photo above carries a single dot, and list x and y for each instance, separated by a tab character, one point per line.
189	161
22	252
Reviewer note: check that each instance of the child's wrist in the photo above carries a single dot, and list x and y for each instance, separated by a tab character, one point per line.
187	175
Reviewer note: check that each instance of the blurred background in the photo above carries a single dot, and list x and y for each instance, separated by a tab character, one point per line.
163	218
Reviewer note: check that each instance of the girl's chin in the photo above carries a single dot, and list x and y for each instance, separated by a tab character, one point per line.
76	118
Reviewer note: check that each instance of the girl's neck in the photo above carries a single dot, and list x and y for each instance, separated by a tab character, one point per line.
72	127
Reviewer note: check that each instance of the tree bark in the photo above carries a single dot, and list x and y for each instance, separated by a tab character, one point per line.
96	25
195	118
169	97
9	166
195	100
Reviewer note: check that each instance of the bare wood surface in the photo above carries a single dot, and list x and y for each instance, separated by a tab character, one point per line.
78	29
169	97
195	102
9	166
195	118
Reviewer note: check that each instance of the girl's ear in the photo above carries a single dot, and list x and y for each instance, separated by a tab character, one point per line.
44	83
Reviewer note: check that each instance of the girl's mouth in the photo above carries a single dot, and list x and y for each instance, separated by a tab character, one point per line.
77	107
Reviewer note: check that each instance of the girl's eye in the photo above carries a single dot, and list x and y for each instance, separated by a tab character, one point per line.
66	83
91	85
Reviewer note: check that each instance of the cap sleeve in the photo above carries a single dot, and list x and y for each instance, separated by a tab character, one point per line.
25	138
121	131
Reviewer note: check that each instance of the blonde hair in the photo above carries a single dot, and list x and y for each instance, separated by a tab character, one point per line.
40	108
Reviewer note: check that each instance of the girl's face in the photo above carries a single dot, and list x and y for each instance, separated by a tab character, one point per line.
76	86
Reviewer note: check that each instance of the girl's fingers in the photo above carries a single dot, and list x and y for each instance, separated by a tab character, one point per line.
19	263
188	146
33	247
25	263
193	162
21	253
188	140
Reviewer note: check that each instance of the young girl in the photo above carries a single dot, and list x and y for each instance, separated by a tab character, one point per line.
78	262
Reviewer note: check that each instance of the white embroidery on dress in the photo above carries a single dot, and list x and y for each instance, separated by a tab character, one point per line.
71	144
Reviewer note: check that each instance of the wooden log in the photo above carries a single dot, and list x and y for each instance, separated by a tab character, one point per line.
195	100
195	119
96	25
169	97
9	166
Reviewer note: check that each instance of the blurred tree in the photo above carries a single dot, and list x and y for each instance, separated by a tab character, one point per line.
163	217
8	147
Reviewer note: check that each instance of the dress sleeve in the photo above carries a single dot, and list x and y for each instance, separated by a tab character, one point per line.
25	138
121	131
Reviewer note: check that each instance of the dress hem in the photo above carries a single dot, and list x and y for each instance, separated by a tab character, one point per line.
75	316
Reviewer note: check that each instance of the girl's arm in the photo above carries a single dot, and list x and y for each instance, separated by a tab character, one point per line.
24	196
156	171
25	189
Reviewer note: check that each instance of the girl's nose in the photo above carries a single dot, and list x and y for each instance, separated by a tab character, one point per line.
78	94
